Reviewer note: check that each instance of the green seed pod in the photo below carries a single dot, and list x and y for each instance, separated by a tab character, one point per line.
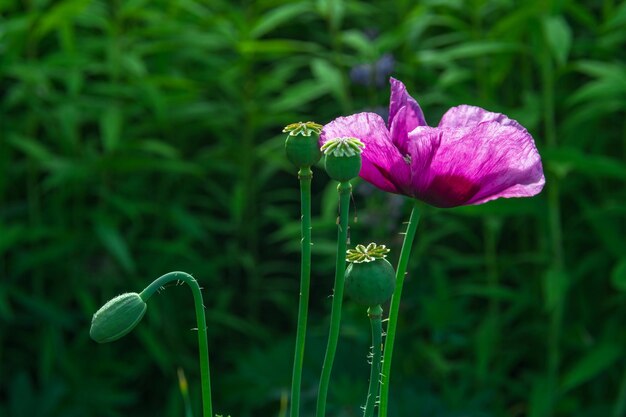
302	151
343	158
301	147
370	283
370	278
342	168
117	317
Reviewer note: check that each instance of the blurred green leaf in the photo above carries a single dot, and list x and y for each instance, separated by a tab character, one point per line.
6	309
556	284
589	366
436	359
111	127
540	401
116	245
359	42
617	19
609	82
159	148
618	276
467	50
329	78
488	292
332	10
39	152
43	310
289	12
558	35
60	14
277	47
10	236
485	340
298	95
564	160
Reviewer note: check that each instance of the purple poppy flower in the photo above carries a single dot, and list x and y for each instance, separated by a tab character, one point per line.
472	157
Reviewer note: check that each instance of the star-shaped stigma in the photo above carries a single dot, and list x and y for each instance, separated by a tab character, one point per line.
367	253
303	128
345	146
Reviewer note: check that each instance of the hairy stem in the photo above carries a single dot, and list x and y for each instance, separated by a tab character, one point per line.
375	314
305	174
344	189
395	307
205	375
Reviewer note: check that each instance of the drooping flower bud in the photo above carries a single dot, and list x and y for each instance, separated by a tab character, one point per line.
117	317
301	147
370	278
343	158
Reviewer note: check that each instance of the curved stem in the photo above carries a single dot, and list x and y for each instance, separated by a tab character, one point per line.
344	189
305	174
375	314
395	307
207	407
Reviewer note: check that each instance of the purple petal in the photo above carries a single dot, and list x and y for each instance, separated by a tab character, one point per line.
473	165
413	116
382	163
400	131
466	116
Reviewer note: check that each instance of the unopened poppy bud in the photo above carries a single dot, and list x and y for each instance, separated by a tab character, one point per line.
117	317
343	158
370	278
301	146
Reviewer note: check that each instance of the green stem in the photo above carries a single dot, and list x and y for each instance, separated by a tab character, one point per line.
395	307
305	174
344	189
556	313
205	375
556	233
491	227
375	314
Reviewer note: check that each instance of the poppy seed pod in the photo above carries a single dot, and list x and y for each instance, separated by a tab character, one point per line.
301	147
342	168
117	317
370	278
343	158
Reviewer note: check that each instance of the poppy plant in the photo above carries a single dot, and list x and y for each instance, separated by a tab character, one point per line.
471	157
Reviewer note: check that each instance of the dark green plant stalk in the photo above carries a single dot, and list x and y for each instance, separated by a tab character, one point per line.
394	308
556	234
375	314
207	407
490	234
344	190
304	174
557	311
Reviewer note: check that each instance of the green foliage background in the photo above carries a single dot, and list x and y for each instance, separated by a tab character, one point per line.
139	137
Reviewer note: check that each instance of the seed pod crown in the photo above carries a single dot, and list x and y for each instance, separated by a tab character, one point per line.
301	146
343	158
